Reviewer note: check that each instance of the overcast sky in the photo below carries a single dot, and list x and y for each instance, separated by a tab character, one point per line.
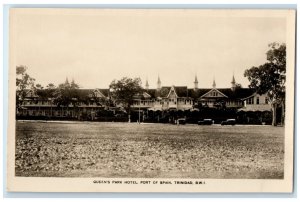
96	46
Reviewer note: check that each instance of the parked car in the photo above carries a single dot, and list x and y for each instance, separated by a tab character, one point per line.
229	122
181	121
206	122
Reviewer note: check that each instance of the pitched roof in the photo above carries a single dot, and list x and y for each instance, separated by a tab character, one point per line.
151	92
87	92
181	91
105	92
163	92
238	93
218	93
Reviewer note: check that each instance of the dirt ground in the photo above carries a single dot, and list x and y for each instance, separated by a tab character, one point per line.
89	149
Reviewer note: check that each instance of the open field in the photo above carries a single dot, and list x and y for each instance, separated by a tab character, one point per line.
86	149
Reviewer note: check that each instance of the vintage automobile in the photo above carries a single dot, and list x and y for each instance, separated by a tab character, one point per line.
206	122
229	122
181	121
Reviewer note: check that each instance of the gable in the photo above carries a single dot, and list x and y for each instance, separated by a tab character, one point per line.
214	93
31	93
255	95
146	95
172	93
96	93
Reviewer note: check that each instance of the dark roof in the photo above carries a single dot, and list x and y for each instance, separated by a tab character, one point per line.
105	92
200	91
237	93
181	91
86	92
151	92
164	91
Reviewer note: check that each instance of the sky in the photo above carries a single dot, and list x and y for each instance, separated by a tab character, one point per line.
94	47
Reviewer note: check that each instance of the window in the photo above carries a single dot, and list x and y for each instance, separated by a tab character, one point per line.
266	101
257	100
250	101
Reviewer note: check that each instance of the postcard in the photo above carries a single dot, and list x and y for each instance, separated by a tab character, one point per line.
151	100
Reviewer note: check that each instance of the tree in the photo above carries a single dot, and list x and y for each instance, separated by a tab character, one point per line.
45	93
270	77
40	93
50	86
73	85
124	90
39	87
238	86
23	83
66	94
50	90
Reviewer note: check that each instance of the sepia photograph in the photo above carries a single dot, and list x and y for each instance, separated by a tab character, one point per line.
151	100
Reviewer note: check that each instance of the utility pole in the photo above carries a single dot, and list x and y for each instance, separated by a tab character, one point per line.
139	111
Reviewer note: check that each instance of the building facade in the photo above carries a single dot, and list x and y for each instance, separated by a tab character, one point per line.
161	99
181	98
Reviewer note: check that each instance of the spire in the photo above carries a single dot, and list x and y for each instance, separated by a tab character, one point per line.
158	83
147	84
233	84
67	81
196	83
233	80
214	84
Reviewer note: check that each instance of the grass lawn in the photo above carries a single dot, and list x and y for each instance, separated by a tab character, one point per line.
90	149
